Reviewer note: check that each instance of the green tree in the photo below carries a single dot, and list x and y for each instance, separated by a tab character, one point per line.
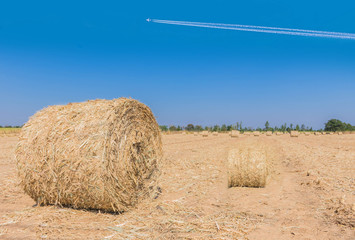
164	128
172	128
224	128
267	125
297	127
189	127
337	125
198	128
215	128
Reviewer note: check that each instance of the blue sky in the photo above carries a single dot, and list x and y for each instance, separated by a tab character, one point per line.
55	52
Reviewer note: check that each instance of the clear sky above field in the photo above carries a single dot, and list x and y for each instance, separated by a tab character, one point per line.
55	52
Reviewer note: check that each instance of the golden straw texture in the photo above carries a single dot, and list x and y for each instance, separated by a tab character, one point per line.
101	154
247	167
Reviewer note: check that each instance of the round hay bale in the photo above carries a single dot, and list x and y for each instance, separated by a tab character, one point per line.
269	133
294	133
195	133
204	133
279	133
306	133
256	134
340	133
101	154
246	133
247	167
317	133
215	133
234	133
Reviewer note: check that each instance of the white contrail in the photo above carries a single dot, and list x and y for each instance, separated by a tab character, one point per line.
250	28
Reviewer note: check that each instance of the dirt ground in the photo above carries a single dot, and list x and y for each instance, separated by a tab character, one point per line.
309	195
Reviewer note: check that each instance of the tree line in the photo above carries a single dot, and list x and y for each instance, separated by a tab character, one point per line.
9	126
332	125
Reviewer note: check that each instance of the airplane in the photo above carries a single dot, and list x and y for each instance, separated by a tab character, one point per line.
148	20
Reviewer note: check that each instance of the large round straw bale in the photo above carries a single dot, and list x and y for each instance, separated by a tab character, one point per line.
215	133
234	133
279	133
269	133
317	133
195	133
204	133
306	133
294	133
256	133
101	154
247	167
340	133
246	133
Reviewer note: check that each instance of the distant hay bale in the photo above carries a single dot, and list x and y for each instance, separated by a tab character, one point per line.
324	133
195	133
246	133
269	133
256	133
306	133
279	133
215	133
340	133
331	133
294	133
317	133
247	167
101	154
183	133
204	133
234	133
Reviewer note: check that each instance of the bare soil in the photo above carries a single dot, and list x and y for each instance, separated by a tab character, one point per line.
309	195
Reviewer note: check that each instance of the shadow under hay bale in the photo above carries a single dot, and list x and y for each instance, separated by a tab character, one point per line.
101	154
247	167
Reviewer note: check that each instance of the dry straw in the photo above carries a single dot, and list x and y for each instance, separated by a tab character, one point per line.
234	133
195	133
294	133
256	133
269	133
340	133
279	133
306	133
247	167
215	133
317	133
101	154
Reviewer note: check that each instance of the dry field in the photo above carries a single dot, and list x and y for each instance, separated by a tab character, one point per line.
310	195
